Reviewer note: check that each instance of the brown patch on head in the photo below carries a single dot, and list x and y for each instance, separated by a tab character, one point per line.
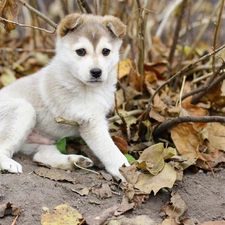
70	22
92	27
115	25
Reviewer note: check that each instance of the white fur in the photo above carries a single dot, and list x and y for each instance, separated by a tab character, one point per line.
62	88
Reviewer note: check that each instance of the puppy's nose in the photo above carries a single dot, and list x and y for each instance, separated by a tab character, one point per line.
96	72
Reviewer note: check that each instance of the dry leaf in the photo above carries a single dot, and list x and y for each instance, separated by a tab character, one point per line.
7	77
152	159
147	182
215	134
129	92
123	68
63	215
138	220
104	191
124	206
9	209
130	173
174	209
8	10
82	192
55	174
186	140
102	217
121	144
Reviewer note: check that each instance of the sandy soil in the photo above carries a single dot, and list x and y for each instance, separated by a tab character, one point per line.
203	194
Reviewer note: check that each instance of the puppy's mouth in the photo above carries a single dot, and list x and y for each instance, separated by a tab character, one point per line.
95	81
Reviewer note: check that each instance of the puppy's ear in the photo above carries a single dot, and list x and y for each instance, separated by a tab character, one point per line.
70	22
115	25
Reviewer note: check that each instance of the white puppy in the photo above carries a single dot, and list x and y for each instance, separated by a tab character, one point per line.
78	84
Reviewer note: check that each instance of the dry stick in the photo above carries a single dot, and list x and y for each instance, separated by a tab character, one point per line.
215	33
45	18
202	31
184	70
205	88
183	119
84	5
105	6
80	6
29	26
96	6
196	98
176	34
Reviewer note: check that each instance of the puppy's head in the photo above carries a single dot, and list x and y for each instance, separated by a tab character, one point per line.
89	45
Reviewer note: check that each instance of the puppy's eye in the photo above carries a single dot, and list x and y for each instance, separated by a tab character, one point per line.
81	52
105	51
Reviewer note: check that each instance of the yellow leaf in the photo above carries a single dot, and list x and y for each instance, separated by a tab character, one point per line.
123	68
148	182
63	215
152	159
7	77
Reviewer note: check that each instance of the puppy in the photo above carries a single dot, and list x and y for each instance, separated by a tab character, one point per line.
78	84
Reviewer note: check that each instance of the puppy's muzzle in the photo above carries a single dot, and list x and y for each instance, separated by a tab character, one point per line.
96	72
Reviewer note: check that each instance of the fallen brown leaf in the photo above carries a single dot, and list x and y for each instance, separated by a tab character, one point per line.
174	209
103	191
148	183
8	10
55	174
9	209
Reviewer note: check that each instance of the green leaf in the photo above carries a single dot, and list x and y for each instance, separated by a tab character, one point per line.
130	158
61	145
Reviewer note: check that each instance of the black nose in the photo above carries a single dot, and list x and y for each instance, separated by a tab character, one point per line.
96	72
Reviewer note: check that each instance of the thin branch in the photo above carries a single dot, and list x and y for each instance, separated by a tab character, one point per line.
216	31
184	119
67	122
29	26
176	33
181	72
80	6
202	31
45	18
205	88
127	114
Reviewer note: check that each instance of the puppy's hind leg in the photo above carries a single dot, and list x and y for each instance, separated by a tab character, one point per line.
51	156
17	120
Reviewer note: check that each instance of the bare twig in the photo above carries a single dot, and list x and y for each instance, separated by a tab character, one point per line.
206	87
105	6
183	119
202	31
88	170
79	4
39	14
215	33
29	26
64	121
183	71
82	4
176	34
130	113
169	10
96	5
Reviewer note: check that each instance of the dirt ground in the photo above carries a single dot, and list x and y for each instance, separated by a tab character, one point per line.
203	194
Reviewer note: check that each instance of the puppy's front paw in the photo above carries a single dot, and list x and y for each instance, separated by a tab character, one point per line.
10	165
81	161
